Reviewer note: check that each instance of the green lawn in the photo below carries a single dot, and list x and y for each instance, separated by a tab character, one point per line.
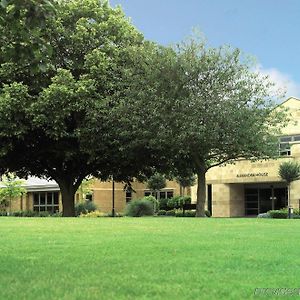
146	258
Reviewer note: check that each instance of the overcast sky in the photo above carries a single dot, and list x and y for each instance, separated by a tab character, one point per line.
266	29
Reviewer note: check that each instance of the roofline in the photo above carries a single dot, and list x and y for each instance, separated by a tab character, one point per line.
289	98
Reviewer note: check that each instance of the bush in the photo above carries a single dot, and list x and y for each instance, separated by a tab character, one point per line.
163	204
207	213
264	215
3	213
179	201
29	213
161	212
85	207
43	214
138	208
278	214
170	212
117	214
56	214
179	213
93	214
296	211
18	213
187	213
154	201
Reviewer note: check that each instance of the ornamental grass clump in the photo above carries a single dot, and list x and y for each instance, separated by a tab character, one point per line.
139	208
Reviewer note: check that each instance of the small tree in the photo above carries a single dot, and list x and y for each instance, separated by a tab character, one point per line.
185	181
12	189
156	182
289	171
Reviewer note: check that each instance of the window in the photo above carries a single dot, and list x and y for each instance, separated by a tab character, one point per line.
46	201
163	194
284	144
89	197
128	196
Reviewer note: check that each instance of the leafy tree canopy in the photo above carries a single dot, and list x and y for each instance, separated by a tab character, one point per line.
60	101
214	109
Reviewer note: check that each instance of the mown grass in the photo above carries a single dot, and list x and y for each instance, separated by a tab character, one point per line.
146	258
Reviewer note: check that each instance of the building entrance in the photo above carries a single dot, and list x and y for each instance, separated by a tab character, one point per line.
261	199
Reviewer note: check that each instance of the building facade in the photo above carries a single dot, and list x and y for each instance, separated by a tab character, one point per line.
43	195
248	188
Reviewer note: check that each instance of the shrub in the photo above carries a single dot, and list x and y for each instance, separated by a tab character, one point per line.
117	214
179	213
44	214
56	214
3	213
18	213
278	214
264	215
296	212
190	213
154	201
161	212
170	212
29	213
138	208
163	204
207	213
85	207
187	213
93	214
179	201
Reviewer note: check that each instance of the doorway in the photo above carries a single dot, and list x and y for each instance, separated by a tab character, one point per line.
261	199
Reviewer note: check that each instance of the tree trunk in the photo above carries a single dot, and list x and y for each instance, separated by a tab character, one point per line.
68	187
68	191
201	193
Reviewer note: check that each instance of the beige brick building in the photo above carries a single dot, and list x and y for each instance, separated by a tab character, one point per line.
248	188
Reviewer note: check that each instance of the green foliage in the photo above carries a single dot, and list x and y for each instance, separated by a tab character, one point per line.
139	208
207	213
154	201
156	182
187	180
85	188
12	188
278	214
217	109
85	207
161	212
170	212
289	171
67	69
187	213
44	214
179	201
163	203
93	214
24	213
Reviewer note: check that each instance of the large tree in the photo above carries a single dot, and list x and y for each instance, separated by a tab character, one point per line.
60	102
215	110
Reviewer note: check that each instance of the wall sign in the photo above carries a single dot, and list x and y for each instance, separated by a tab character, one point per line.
253	175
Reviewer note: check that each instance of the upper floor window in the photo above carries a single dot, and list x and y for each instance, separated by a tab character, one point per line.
284	144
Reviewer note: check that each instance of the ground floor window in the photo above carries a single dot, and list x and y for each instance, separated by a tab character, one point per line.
164	194
128	196
46	201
